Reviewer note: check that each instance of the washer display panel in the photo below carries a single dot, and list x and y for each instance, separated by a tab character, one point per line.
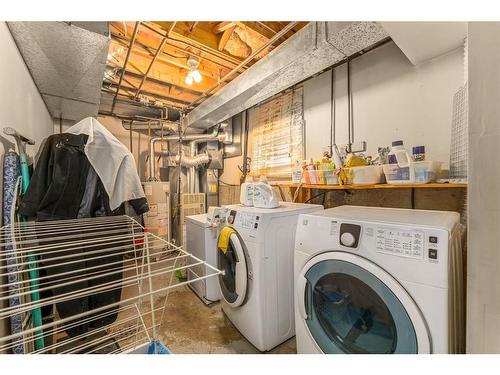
352	311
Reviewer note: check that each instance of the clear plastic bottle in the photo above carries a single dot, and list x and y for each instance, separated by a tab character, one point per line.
399	155
297	173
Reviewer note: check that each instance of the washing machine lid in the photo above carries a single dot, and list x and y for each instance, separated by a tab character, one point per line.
350	305
234	279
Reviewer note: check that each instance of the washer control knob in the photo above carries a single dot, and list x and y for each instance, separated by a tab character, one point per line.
347	239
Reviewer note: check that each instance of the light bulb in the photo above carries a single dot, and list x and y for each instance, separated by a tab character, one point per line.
196	76
189	79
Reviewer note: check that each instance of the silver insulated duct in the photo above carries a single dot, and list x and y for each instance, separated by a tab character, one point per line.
316	47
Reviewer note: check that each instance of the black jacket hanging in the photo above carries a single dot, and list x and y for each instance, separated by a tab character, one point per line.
58	182
65	186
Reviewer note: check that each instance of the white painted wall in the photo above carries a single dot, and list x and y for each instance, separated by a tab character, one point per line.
317	115
21	105
393	100
483	263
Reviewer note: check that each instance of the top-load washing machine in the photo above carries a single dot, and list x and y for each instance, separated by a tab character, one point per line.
201	241
255	253
379	280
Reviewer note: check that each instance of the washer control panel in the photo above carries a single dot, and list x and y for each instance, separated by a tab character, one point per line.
406	243
349	234
243	220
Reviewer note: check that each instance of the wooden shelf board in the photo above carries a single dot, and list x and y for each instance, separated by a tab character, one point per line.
368	187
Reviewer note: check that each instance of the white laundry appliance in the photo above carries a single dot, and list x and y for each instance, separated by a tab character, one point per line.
379	280
255	252
201	241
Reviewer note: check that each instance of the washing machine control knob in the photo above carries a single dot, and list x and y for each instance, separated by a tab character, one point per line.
347	239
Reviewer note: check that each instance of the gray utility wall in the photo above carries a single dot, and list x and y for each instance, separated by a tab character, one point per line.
483	289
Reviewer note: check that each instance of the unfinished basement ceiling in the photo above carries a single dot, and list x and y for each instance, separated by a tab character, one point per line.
147	62
316	47
67	63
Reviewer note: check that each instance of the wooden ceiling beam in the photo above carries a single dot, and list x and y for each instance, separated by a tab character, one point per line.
142	51
276	27
199	38
170	102
226	35
129	50
223	26
150	92
151	39
153	60
256	28
166	84
193	26
163	72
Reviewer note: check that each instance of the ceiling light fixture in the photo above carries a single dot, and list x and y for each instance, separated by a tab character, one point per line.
193	74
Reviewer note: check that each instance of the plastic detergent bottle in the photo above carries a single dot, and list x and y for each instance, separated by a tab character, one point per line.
263	195
247	192
399	155
297	173
336	157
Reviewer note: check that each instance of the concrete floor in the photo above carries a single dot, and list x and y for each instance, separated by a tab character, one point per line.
191	327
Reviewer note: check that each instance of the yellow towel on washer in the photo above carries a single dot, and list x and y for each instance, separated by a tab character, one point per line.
223	241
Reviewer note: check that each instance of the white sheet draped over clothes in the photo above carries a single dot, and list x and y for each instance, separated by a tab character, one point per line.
112	161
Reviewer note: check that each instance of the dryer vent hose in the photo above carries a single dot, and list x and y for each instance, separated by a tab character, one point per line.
191	161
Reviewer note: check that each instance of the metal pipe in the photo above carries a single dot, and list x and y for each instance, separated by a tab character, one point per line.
158	51
277	36
120	39
168	126
164	84
349	106
190	137
130	137
129	51
171	101
195	186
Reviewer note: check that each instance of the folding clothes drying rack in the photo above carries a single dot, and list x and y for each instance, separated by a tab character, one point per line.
80	263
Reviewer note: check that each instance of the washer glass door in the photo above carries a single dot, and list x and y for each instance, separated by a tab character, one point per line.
234	279
352	311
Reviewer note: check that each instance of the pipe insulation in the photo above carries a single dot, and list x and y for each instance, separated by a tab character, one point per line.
195	161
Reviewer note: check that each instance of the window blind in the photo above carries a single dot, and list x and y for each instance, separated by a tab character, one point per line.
277	134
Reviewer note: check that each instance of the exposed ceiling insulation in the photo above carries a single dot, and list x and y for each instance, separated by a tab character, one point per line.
316	47
148	61
67	63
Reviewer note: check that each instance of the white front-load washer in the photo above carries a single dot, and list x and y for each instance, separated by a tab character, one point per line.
257	280
379	280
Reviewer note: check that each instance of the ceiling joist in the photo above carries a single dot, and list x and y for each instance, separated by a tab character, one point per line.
151	61
225	37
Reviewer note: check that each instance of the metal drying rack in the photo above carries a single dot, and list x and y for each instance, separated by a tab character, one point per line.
114	273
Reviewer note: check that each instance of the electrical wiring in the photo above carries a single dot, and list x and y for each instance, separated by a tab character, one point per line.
316	196
216	173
